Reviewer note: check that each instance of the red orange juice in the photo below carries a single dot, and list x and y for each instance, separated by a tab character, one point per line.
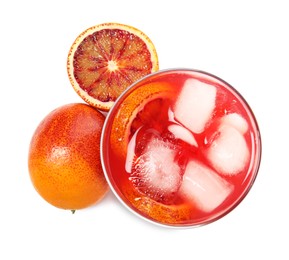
181	148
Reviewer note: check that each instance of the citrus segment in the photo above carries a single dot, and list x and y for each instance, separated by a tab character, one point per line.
107	58
127	117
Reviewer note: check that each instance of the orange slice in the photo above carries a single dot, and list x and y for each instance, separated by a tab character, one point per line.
107	58
165	214
127	115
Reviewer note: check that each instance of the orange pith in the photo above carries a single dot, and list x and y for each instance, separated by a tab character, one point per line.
64	157
105	59
127	112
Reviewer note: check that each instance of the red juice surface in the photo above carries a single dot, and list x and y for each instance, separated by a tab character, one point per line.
181	148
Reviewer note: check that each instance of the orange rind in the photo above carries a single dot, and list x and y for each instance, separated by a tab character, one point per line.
127	111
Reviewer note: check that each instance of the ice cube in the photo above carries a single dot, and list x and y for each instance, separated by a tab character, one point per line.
131	152
204	187
171	115
183	133
195	104
236	121
228	153
156	172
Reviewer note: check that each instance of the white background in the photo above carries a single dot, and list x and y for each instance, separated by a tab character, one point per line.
244	42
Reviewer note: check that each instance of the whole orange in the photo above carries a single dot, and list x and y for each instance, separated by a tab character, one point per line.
64	157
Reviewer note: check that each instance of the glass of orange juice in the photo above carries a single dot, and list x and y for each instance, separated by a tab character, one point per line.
181	148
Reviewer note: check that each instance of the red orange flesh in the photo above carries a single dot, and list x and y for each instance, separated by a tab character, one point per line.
107	58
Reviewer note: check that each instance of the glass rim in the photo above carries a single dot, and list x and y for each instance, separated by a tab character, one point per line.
257	155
